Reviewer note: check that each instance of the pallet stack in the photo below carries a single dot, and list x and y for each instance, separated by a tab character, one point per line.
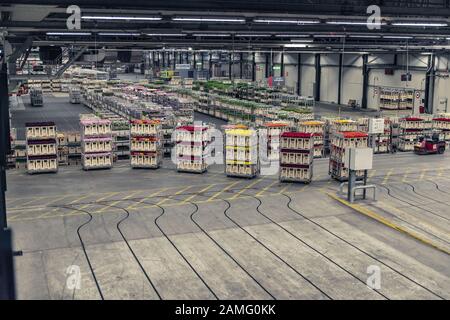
145	144
191	147
297	155
339	142
411	129
273	131
241	153
41	147
36	99
441	124
317	129
74	95
337	125
96	143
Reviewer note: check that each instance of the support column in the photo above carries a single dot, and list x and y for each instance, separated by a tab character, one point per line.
230	63
241	66
341	67
429	84
299	73
202	57
267	66
210	66
253	66
366	71
5	143
163	59
318	77
282	65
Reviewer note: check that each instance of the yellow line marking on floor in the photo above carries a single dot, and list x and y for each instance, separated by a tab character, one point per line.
146	198
372	173
422	175
266	188
405	176
386	178
246	188
179	203
31	199
110	194
201	191
221	191
176	193
111	205
369	213
284	189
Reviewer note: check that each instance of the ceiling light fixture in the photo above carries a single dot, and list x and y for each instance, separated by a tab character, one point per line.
113	34
419	24
211	35
292	35
365	36
68	33
352	23
295	45
289	21
166	34
253	35
212	19
397	37
121	18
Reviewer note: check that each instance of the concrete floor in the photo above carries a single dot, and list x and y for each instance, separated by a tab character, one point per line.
162	234
151	234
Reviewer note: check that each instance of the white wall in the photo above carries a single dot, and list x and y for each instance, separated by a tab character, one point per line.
308	74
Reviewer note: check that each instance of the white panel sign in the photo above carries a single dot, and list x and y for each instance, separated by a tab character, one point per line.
376	125
183	66
358	158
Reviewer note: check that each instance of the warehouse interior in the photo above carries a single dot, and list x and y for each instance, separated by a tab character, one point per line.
225	150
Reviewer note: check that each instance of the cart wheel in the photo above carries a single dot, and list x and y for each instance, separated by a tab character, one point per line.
441	150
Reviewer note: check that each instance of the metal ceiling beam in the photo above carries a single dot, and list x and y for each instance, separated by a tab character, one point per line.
262	6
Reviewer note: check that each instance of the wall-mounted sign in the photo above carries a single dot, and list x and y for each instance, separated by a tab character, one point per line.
276	67
183	66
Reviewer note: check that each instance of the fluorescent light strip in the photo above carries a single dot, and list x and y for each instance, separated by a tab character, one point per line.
230	20
302	40
254	35
419	24
292	35
352	23
166	34
286	21
397	37
329	36
295	45
119	34
121	18
211	35
68	33
363	36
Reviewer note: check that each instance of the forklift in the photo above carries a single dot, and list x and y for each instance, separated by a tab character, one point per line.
430	145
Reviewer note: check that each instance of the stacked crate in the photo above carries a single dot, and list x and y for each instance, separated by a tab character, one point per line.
337	125
442	125
63	150
96	143
41	147
273	131
145	144
192	148
36	99
241	153
297	155
411	129
74	95
340	141
317	129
